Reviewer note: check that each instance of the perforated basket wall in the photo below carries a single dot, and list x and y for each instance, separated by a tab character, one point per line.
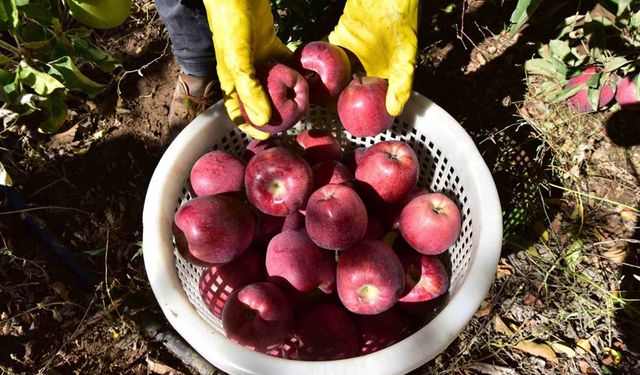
449	163
436	174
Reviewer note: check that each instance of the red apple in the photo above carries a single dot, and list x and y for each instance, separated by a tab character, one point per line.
293	221
326	68
325	333
331	172
256	146
376	332
580	100
219	281
362	107
425	278
288	94
431	223
278	181
396	209
628	92
258	316
318	145
335	217
217	172
216	228
294	260
370	278
267	227
387	171
352	158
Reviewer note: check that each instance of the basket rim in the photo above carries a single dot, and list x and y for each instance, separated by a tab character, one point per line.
399	358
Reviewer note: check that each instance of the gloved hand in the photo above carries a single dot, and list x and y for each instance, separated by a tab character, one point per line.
383	35
243	38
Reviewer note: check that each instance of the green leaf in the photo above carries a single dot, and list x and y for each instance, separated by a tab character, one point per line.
560	48
551	68
593	95
41	83
636	84
38	13
8	15
78	33
615	64
88	51
524	10
66	71
4	60
20	3
55	110
8	86
568	92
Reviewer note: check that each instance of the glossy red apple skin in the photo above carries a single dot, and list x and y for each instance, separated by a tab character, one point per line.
219	281
318	145
387	172
217	172
336	217
256	146
278	181
331	172
376	332
425	277
580	101
294	260
326	68
362	107
326	332
288	95
258	316
217	228
431	223
370	278
396	209
628	93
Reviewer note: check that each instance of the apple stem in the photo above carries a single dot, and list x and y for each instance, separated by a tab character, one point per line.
357	79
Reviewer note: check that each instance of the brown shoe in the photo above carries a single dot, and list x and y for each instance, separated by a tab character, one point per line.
192	96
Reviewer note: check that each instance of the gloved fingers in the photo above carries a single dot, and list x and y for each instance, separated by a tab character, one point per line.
401	67
233	108
253	132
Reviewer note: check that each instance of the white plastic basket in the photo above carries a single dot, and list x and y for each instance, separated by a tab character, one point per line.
449	163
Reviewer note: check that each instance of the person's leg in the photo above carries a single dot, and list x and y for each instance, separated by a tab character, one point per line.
192	46
191	42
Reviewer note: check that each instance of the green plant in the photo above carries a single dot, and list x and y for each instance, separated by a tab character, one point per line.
39	62
607	37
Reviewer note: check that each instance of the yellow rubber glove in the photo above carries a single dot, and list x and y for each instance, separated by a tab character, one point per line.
244	37
383	36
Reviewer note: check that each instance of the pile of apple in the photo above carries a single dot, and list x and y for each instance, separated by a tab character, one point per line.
314	252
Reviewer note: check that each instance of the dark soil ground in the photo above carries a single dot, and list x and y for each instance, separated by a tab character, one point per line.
87	186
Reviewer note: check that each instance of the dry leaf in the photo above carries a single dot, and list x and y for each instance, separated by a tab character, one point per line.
501	327
61	139
504	269
585	368
488	369
5	179
563	349
530	299
540	350
628	216
584	345
616	255
484	309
